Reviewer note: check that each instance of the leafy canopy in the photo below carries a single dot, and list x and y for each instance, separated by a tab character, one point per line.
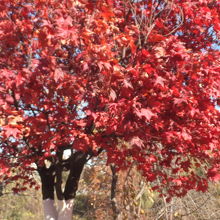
137	79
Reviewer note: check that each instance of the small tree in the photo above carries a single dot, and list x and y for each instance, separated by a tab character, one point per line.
137	79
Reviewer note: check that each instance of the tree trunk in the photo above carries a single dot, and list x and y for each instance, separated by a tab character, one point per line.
51	181
115	209
47	185
65	209
50	212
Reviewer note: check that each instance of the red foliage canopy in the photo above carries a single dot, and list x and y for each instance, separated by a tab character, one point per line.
137	79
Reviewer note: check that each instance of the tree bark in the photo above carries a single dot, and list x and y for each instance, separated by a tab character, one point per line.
76	167
113	193
47	176
50	212
65	209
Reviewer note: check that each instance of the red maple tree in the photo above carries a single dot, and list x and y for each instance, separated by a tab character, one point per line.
139	80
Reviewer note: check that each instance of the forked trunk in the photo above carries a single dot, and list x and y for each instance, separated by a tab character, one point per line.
51	180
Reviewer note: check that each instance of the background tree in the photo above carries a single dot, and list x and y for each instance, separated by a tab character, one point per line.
136	79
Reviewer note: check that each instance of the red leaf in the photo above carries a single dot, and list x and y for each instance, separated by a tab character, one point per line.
159	81
58	74
154	38
137	141
148	68
11	131
113	95
146	113
145	52
214	174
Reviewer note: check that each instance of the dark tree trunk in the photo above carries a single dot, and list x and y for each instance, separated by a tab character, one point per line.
47	176
76	168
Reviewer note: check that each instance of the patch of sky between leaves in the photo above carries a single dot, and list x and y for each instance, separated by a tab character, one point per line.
81	113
